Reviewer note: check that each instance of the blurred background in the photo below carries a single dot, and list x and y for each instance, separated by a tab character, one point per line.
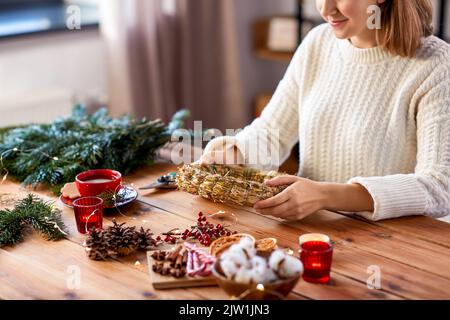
222	59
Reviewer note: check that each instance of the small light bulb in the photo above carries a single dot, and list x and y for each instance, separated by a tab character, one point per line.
260	287
15	149
137	263
55	158
289	251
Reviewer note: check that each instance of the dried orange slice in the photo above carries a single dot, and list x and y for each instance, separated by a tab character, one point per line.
266	245
220	245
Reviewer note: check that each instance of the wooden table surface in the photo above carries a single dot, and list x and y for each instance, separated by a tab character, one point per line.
413	254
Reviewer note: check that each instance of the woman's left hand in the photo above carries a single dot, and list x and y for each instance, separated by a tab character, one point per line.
300	199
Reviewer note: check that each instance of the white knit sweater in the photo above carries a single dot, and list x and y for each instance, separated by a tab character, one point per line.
364	116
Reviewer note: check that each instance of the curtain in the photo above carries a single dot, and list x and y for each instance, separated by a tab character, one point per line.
164	55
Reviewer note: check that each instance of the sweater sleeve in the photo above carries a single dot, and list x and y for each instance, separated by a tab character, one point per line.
427	190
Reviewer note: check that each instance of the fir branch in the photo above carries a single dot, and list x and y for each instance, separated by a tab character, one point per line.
34	212
53	154
11	228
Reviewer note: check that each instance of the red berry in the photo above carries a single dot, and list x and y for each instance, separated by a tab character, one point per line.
158	238
200	214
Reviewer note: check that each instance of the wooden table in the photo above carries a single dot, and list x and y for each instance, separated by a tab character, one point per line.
413	254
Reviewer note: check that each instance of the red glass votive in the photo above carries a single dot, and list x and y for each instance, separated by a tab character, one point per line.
316	254
88	213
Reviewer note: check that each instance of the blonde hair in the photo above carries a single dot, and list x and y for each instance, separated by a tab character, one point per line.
404	24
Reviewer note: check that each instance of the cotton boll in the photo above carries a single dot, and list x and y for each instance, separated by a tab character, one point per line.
258	269
257	277
229	268
246	246
241	250
276	259
269	276
259	264
235	247
290	267
235	256
247	243
249	252
243	276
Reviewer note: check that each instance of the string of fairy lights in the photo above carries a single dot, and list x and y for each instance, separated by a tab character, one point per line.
17	150
259	289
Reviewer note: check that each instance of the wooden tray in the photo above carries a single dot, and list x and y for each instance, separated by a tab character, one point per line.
166	282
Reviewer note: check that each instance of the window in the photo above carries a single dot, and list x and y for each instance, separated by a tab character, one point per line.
25	17
443	28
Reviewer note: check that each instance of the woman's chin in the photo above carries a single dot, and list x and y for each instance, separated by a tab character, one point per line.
341	34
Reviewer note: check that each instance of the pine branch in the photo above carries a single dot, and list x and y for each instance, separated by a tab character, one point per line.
11	228
34	212
53	154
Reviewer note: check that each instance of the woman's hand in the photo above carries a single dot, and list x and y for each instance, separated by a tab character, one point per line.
228	157
303	197
222	150
300	199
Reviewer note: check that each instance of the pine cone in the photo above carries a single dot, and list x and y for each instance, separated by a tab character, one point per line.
145	240
122	239
97	245
234	185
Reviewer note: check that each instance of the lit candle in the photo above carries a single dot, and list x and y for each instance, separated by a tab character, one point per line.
88	213
316	252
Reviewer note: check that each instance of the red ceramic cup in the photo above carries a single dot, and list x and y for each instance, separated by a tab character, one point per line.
94	182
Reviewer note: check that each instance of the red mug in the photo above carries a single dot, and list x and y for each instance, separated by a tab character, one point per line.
95	182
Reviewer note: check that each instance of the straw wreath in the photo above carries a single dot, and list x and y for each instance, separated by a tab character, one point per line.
227	184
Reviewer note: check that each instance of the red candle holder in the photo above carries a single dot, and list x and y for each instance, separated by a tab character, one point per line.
88	213
316	254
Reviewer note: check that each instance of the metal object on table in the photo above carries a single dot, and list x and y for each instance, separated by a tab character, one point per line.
164	182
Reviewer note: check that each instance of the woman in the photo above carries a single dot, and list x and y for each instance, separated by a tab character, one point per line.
371	110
